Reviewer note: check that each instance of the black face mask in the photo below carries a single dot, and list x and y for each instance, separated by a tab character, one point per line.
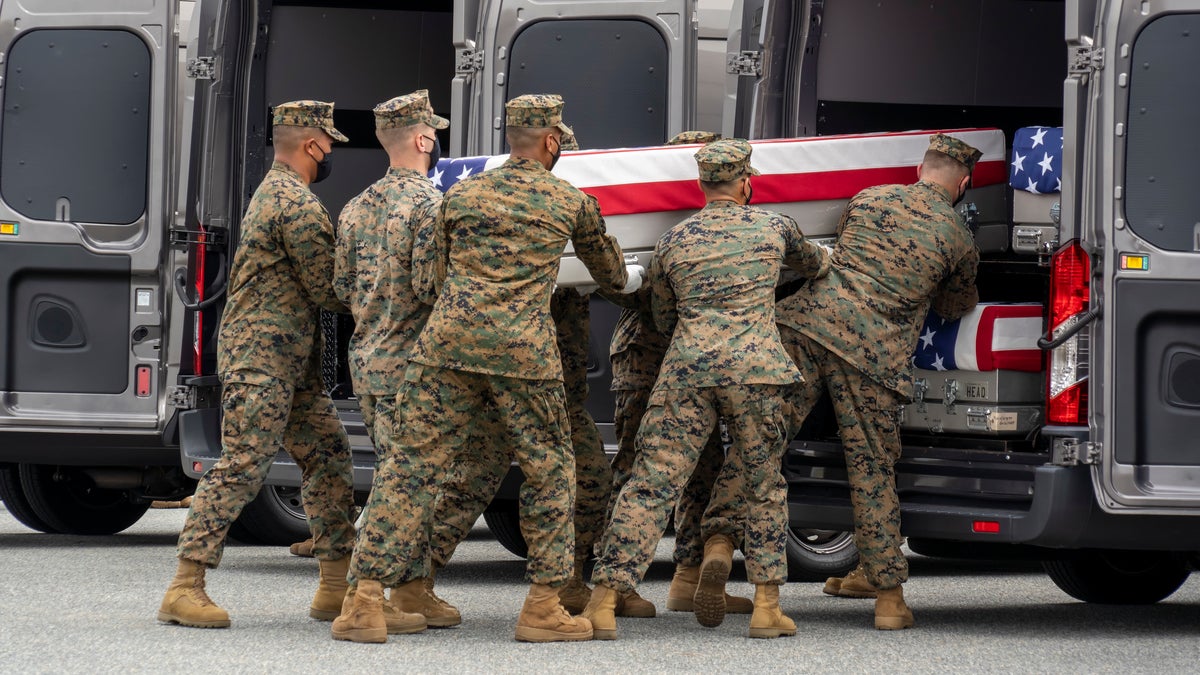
324	167
962	195
554	157
435	154
750	197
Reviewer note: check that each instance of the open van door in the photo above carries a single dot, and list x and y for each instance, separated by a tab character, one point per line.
1145	377
86	200
625	69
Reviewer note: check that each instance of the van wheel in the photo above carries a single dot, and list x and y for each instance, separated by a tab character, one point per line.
16	503
1119	577
814	555
503	518
68	501
275	518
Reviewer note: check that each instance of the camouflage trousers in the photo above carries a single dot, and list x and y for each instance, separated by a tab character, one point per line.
867	416
438	410
470	484
678	424
367	404
693	500
593	475
259	418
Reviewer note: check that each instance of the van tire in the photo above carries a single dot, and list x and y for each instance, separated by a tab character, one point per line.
275	518
815	555
14	500
67	500
1119	577
503	518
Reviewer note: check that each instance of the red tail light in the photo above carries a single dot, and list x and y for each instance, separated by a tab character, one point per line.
1066	378
198	324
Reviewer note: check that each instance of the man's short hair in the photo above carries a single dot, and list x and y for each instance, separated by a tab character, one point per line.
289	137
941	163
722	186
525	138
394	136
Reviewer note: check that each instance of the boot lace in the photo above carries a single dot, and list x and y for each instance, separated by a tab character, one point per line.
200	596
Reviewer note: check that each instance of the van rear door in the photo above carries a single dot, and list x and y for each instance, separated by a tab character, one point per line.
1145	388
625	69
85	204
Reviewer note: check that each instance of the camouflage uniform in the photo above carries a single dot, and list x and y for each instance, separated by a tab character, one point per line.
636	353
899	248
713	282
269	360
488	346
377	245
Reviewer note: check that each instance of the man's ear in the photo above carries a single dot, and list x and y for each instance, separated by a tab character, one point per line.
920	167
965	184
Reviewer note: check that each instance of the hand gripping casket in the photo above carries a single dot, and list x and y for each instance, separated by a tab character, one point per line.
981	374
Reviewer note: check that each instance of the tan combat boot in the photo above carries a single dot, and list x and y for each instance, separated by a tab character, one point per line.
601	610
574	595
302	548
680	597
397	622
414	597
853	585
362	616
187	604
768	620
890	611
543	619
635	606
714	572
331	590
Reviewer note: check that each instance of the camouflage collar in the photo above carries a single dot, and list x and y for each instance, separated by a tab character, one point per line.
280	166
404	172
524	163
937	189
722	204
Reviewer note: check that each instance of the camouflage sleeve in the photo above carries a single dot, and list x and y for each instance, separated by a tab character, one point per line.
343	266
308	240
638	300
803	256
662	298
957	293
430	251
598	250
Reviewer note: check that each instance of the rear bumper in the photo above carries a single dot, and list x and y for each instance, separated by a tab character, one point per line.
944	492
86	447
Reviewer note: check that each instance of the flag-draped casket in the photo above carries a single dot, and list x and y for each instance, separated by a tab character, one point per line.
644	191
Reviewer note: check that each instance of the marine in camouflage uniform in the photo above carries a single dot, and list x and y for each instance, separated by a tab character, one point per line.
269	361
899	248
636	352
712	288
489	346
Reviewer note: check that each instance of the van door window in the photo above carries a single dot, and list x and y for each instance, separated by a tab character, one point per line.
1162	204
612	75
76	126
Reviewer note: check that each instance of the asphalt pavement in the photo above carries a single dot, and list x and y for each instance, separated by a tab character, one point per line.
72	604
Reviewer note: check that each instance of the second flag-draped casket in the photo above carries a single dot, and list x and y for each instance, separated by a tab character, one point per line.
644	191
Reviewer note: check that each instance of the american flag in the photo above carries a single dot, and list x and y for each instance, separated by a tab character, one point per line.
990	337
663	179
1037	160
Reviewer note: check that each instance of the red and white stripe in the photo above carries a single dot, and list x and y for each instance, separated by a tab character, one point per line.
1000	337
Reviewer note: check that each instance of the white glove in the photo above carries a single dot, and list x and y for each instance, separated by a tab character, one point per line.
636	274
584	290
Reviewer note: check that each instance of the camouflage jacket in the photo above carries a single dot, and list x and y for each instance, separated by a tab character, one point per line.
637	346
279	281
713	290
500	236
373	272
899	248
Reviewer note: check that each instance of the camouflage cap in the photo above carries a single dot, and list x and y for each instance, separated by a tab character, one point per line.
724	160
686	137
536	111
317	114
569	142
955	149
407	110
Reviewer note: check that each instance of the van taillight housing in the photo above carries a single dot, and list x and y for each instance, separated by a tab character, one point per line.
1066	378
198	323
